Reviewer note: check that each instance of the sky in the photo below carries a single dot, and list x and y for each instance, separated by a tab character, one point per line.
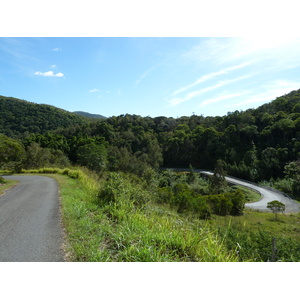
150	76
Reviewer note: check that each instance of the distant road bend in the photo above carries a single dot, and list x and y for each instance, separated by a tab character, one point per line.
30	224
267	195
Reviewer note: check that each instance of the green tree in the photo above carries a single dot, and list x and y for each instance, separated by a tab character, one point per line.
238	200
39	157
292	171
12	153
93	156
276	207
217	182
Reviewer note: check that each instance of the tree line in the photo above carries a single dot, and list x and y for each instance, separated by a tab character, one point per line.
256	144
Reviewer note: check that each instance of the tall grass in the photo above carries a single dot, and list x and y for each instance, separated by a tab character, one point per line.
120	223
115	218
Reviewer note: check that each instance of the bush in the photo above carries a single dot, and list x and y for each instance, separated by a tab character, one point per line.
122	192
221	204
238	200
165	195
2	181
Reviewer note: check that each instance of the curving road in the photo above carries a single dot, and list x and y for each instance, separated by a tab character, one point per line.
30	224
267	195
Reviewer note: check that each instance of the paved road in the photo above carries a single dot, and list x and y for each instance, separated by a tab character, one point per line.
30	228
267	196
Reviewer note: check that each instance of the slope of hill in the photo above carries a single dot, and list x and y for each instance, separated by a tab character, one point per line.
19	117
88	115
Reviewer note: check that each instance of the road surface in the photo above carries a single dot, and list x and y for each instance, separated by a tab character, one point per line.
30	224
266	196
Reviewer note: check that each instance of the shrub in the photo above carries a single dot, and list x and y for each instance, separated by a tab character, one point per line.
2	181
119	191
165	195
221	204
238	202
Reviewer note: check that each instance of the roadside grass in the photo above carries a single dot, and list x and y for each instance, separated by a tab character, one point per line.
150	233
254	231
251	195
6	184
113	219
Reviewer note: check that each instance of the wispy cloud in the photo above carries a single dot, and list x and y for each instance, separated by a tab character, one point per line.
211	76
94	90
267	49
221	98
49	74
56	49
145	74
178	100
273	90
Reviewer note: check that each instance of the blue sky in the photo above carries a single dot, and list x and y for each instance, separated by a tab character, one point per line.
150	76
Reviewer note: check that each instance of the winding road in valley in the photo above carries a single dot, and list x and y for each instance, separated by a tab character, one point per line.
30	223
267	195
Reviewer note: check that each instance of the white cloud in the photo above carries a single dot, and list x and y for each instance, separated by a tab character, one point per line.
210	76
49	74
53	66
145	74
93	90
176	101
56	49
220	98
273	90
271	49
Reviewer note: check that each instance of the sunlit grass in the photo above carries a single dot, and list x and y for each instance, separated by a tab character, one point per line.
151	233
123	224
7	184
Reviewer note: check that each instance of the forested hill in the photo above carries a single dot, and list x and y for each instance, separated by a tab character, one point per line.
88	115
19	117
256	144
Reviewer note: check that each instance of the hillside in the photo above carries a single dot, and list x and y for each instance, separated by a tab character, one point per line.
255	144
19	117
88	115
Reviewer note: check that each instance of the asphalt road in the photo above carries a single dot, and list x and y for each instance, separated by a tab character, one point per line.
266	196
30	223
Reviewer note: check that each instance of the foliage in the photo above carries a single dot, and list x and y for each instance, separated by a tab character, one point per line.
11	153
93	156
276	207
107	230
38	157
255	144
19	117
217	182
292	171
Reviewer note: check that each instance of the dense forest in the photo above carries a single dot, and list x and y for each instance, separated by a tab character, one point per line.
19	118
256	144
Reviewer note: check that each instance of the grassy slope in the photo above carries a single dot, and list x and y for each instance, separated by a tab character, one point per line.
157	233
151	234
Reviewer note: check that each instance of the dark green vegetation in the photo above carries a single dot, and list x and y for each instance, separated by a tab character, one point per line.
88	115
19	118
126	152
260	144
